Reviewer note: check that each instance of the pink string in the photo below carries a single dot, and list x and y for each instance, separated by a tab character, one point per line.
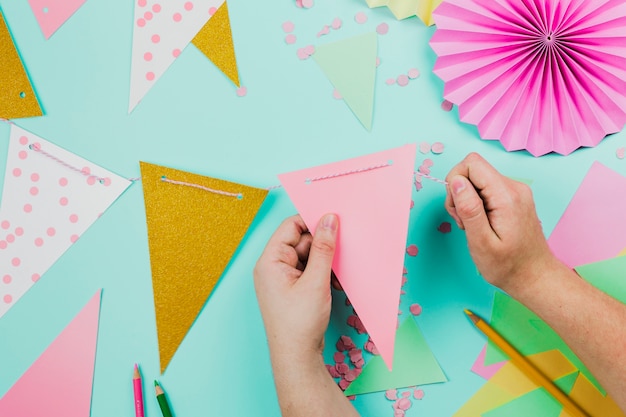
354	171
211	190
37	148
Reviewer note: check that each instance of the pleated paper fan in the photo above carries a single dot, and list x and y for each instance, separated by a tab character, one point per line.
541	75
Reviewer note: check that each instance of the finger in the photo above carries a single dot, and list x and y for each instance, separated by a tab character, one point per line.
471	210
323	249
303	247
480	173
289	232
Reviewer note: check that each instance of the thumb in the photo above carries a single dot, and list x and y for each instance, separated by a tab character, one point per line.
323	248
470	208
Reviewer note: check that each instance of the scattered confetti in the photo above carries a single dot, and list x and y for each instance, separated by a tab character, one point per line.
299	3
360	18
414	73
620	153
415	309
242	91
445	227
325	31
403	80
446	105
306	52
418	394
337	94
390	81
290	39
288	26
382	29
307	4
336	24
377	61
391	394
437	148
424	147
412	250
370	347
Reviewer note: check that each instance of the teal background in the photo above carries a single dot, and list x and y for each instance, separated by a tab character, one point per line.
193	120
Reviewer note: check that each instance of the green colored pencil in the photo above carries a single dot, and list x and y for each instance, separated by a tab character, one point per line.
160	395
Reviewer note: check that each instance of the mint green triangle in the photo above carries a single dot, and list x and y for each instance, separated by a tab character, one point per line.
413	364
608	276
350	65
566	383
528	334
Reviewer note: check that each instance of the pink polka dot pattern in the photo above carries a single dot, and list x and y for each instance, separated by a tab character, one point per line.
147	56
148	15
7	298
155	39
48	205
141	22
22	155
177	18
188	6
150	76
176	53
156	8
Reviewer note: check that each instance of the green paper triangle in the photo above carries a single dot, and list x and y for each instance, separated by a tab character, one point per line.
537	403
566	383
413	364
608	276
350	65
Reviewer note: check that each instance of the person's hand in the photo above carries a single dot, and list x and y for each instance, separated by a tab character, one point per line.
292	282
498	214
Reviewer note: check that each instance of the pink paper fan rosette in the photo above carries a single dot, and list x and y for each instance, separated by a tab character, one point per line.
541	75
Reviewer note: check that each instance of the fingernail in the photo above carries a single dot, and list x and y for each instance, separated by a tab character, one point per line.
458	185
330	222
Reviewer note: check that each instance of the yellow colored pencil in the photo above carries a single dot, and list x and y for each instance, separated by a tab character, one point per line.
525	366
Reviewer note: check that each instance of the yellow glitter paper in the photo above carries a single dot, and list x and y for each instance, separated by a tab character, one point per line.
215	40
17	98
192	235
402	9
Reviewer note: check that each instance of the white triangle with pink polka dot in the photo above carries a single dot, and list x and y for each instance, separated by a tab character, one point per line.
161	30
50	197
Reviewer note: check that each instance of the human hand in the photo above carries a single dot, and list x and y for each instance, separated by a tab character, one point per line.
292	282
498	214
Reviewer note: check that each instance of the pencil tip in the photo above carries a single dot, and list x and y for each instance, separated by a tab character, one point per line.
468	312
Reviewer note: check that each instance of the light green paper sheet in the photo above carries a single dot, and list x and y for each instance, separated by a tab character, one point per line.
413	364
608	276
350	65
537	403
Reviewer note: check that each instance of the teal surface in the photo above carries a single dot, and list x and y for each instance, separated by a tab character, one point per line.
193	120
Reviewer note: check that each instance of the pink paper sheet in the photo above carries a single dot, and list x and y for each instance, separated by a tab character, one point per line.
592	228
61	379
486	371
51	14
373	209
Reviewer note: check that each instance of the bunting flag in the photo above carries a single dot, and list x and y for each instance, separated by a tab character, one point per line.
591	228
162	30
215	40
403	9
17	97
61	379
350	65
52	14
413	364
372	197
50	197
195	224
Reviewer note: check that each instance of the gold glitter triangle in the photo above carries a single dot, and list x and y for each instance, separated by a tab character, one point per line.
17	97
215	40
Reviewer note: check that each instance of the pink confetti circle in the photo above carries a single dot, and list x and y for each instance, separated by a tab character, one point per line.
288	26
437	148
360	18
307	4
337	95
418	394
412	250
290	39
382	29
17	172
403	80
28	208
415	309
22	154
414	73
445	227
424	147
309	49
63	201
446	105
242	91
23	140
177	17
377	61
620	153
336	24
299	3
391	394
390	81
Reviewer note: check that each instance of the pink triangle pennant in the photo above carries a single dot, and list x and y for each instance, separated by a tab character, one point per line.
62	377
52	14
372	197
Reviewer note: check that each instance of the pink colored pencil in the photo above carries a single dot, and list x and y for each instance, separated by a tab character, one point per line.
138	392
